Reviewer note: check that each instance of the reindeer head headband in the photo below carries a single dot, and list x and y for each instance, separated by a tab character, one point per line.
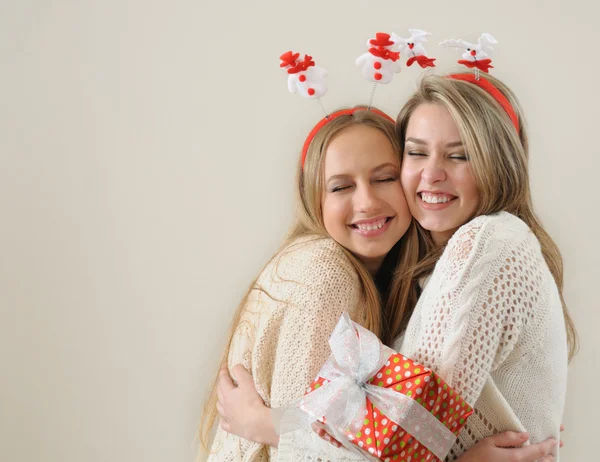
379	65
476	56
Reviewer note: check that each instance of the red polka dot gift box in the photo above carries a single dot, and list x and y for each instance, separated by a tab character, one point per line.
387	439
401	412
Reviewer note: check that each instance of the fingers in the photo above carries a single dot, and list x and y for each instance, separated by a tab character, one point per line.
317	429
242	376
221	410
562	429
534	452
220	397
225	425
546	459
321	433
509	439
225	385
225	382
331	440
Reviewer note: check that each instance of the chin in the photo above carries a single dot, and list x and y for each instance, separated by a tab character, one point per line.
369	254
437	227
434	226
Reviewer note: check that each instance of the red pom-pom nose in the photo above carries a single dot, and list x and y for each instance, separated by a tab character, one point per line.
473	52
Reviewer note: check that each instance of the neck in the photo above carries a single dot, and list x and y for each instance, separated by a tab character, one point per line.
372	265
441	237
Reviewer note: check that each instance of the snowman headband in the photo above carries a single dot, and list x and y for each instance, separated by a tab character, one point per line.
379	65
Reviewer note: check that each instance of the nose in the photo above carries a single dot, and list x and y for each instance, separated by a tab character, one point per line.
473	52
411	45
433	171
366	199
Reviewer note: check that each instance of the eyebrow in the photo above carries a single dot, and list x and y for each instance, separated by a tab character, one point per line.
453	144
375	170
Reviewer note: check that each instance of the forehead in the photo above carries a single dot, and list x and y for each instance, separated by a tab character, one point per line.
358	148
433	123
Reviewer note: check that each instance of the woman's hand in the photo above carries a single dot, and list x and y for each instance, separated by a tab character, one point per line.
505	447
319	429
244	414
241	408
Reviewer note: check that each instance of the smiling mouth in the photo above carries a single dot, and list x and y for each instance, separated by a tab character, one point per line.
372	226
436	198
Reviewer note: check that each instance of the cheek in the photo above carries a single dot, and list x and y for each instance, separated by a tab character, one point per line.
407	178
396	196
334	214
470	193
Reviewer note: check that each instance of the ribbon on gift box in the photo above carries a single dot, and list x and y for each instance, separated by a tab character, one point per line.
357	355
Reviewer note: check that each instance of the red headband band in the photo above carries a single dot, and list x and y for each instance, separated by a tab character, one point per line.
335	115
492	90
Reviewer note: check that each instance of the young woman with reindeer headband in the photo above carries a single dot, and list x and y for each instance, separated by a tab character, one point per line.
490	317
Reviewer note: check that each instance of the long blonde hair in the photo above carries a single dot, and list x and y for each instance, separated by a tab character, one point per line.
499	159
309	224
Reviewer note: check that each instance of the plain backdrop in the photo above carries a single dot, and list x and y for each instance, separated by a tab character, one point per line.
147	154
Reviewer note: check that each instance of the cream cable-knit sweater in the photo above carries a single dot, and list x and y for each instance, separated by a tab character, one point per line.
284	333
490	322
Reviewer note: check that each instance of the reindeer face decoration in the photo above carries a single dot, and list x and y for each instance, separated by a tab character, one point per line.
413	48
475	55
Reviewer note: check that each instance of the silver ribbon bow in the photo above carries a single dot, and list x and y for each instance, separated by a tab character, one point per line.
357	355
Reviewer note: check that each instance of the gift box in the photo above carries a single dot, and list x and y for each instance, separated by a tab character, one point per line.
382	403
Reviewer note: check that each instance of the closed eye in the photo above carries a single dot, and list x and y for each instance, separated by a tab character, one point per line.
416	154
386	180
339	188
459	157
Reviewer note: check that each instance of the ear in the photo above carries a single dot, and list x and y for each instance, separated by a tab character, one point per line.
398	40
419	34
487	40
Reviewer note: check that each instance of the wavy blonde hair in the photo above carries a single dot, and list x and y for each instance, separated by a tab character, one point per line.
309	186
499	157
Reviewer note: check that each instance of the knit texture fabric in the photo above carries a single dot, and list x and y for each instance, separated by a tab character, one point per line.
283	336
490	322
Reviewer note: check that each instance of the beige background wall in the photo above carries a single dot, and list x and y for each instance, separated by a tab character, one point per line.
147	151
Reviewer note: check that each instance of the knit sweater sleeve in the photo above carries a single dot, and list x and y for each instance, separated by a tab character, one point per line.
298	334
293	338
473	308
284	333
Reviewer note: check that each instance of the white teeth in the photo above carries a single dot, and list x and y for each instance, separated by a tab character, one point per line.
434	198
371	226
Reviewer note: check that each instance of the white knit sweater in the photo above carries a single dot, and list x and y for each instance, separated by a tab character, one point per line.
284	332
490	322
